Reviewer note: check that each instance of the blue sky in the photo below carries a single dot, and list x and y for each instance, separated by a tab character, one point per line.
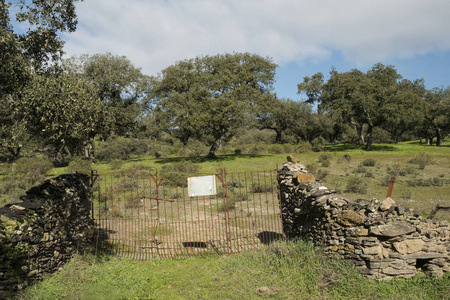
302	36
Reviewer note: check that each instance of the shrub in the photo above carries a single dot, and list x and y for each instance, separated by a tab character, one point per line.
288	148
258	188
122	148
276	149
321	174
115	164
312	168
239	197
406	194
172	173
360	169
226	206
386	181
304	148
422	160
356	185
79	165
32	167
346	158
369	162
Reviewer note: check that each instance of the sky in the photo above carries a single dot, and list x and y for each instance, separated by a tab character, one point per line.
302	36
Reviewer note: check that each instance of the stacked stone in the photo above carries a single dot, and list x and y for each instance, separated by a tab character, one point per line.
382	239
42	233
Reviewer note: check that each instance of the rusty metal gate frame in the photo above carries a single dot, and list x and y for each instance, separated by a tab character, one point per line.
117	230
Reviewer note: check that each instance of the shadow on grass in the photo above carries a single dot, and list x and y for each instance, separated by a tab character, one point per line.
347	147
202	159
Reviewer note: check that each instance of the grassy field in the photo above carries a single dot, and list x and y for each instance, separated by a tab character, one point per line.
290	270
422	173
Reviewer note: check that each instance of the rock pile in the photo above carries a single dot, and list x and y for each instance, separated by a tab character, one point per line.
382	239
42	233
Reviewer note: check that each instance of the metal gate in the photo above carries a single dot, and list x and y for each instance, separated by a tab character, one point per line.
141	214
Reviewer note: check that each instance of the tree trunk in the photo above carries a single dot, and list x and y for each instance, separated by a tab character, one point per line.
439	141
214	147
369	138
278	137
359	130
89	151
15	152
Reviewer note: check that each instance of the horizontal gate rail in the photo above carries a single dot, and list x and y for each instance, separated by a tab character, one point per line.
143	216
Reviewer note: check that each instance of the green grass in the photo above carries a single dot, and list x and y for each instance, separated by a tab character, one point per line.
291	270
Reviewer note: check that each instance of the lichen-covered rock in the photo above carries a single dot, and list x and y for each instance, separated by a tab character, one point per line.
42	233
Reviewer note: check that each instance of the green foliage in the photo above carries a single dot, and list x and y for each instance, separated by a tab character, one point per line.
422	160
346	158
368	100
176	174
62	112
356	185
121	148
24	174
304	147
369	162
227	205
210	97
116	164
121	87
80	165
260	188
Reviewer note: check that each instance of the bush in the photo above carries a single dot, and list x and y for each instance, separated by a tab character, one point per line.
321	174
32	167
226	206
175	174
239	197
360	169
79	165
276	149
115	164
422	160
356	185
346	158
369	162
304	148
258	188
122	148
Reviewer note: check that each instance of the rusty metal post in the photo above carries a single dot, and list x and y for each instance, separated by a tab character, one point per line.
391	187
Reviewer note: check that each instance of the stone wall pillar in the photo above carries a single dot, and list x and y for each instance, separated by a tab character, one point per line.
382	239
42	233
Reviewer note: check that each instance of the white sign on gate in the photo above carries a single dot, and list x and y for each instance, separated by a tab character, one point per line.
202	186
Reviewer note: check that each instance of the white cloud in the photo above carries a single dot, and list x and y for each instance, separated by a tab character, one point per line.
154	34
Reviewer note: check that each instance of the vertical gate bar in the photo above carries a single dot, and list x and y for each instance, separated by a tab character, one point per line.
246	224
219	223
150	226
179	235
136	212
238	215
261	215
253	217
113	222
275	220
144	228
268	219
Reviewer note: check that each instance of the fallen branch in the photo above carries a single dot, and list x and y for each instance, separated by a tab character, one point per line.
436	209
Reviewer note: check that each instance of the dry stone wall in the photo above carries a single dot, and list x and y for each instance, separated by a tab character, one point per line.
42	233
384	240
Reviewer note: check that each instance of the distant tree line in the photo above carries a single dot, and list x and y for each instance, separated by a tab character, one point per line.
63	108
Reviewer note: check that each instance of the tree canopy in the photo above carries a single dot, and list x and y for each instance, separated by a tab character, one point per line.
369	99
209	97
